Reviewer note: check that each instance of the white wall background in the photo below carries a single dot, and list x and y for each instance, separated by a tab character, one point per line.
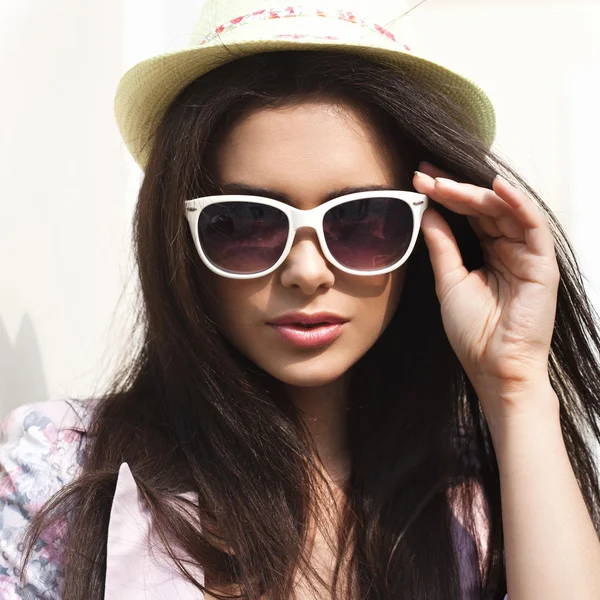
68	186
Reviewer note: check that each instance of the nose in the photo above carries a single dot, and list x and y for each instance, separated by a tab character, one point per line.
306	268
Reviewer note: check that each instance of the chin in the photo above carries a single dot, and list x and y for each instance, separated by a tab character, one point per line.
304	374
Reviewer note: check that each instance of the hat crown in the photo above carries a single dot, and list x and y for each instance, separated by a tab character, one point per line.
218	12
255	26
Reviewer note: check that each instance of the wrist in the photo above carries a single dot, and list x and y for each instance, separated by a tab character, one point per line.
526	439
509	406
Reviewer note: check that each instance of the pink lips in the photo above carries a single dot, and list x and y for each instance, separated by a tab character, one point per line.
309	331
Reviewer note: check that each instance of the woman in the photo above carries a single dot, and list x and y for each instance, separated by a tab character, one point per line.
323	404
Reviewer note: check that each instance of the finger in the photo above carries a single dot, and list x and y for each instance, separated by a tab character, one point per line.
481	200
491	228
511	229
446	260
425	184
484	227
462	198
536	227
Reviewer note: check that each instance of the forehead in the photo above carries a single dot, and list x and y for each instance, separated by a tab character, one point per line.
305	151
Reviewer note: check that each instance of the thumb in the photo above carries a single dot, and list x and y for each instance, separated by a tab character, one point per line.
446	260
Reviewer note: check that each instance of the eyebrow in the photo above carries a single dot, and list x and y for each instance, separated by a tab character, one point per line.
243	188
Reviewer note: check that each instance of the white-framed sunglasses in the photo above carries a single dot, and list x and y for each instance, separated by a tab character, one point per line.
363	233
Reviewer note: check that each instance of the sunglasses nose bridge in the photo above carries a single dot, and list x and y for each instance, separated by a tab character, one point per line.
303	218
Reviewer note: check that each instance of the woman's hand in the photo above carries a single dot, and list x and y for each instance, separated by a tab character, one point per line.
499	319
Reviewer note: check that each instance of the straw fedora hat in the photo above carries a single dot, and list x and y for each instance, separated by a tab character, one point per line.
252	26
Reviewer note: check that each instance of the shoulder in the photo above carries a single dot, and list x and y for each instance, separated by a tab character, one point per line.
41	451
42	442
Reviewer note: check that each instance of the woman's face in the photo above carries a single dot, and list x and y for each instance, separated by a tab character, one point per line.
305	153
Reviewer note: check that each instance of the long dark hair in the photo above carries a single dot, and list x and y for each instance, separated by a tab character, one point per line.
190	414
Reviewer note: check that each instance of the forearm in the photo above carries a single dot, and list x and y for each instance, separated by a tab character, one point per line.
551	547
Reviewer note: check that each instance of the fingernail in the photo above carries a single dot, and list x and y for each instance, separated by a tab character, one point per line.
448	182
418	174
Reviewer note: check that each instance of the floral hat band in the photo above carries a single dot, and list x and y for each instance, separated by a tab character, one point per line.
299	11
147	89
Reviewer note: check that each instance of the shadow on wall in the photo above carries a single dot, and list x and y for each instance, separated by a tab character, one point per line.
22	378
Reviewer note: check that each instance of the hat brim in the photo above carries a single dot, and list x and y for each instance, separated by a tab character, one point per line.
147	89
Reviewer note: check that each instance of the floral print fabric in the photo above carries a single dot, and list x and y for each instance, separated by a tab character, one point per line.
40	452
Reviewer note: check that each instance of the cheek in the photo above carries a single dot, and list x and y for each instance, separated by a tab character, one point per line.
376	298
391	298
395	291
237	302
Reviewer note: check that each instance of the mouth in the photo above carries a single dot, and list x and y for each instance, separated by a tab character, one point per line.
309	333
308	321
310	325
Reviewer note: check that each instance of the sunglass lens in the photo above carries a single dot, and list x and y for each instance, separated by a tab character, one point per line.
243	237
369	234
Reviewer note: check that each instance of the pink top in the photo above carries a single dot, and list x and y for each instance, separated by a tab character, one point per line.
41	449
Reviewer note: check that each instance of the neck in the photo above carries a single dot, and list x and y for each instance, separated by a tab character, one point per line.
323	410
